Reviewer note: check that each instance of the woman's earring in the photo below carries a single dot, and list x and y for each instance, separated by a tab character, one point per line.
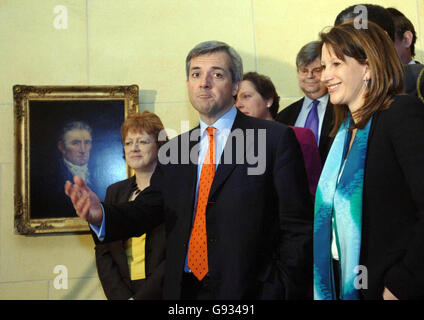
366	83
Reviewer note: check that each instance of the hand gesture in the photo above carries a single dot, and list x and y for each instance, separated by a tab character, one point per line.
85	201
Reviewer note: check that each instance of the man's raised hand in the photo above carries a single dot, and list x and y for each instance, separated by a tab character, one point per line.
86	203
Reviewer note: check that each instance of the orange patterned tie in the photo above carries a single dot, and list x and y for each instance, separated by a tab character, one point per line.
198	249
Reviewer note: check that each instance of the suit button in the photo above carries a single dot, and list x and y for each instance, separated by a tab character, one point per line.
212	240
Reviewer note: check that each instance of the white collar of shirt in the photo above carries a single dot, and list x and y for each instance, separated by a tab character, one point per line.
323	102
76	170
224	123
412	62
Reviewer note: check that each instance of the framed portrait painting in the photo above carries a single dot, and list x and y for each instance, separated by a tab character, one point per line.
60	132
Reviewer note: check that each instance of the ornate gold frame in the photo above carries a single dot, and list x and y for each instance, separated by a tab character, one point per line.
22	94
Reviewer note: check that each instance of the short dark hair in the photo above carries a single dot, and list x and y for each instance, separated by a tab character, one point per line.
207	47
403	24
376	14
266	89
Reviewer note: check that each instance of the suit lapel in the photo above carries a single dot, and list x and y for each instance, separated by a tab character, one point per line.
190	170
296	110
125	193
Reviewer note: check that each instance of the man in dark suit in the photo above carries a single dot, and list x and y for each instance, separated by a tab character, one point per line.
414	80
250	218
308	65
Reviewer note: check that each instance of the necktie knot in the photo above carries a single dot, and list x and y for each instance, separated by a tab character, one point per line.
211	131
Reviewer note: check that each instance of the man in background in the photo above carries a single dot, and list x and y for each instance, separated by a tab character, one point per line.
314	110
384	19
405	36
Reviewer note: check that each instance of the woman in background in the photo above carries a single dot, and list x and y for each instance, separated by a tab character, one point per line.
258	98
133	269
369	207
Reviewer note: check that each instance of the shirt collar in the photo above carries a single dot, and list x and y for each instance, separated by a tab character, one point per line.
225	123
77	170
75	166
323	101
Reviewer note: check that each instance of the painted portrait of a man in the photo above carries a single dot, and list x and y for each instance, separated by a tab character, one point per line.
75	144
69	139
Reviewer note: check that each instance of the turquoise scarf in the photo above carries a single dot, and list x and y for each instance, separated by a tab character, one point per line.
341	200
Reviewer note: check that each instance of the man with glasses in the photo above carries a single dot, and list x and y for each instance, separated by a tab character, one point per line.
314	110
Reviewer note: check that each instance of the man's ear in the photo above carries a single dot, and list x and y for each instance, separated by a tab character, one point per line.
236	86
61	147
407	39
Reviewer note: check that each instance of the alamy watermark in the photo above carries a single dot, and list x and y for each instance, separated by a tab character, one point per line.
60	21
361	20
361	280
242	147
60	282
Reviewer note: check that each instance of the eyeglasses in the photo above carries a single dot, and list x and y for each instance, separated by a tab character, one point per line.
314	71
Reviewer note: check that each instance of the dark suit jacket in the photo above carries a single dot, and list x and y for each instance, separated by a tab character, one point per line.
289	116
411	79
259	227
393	202
47	197
111	259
